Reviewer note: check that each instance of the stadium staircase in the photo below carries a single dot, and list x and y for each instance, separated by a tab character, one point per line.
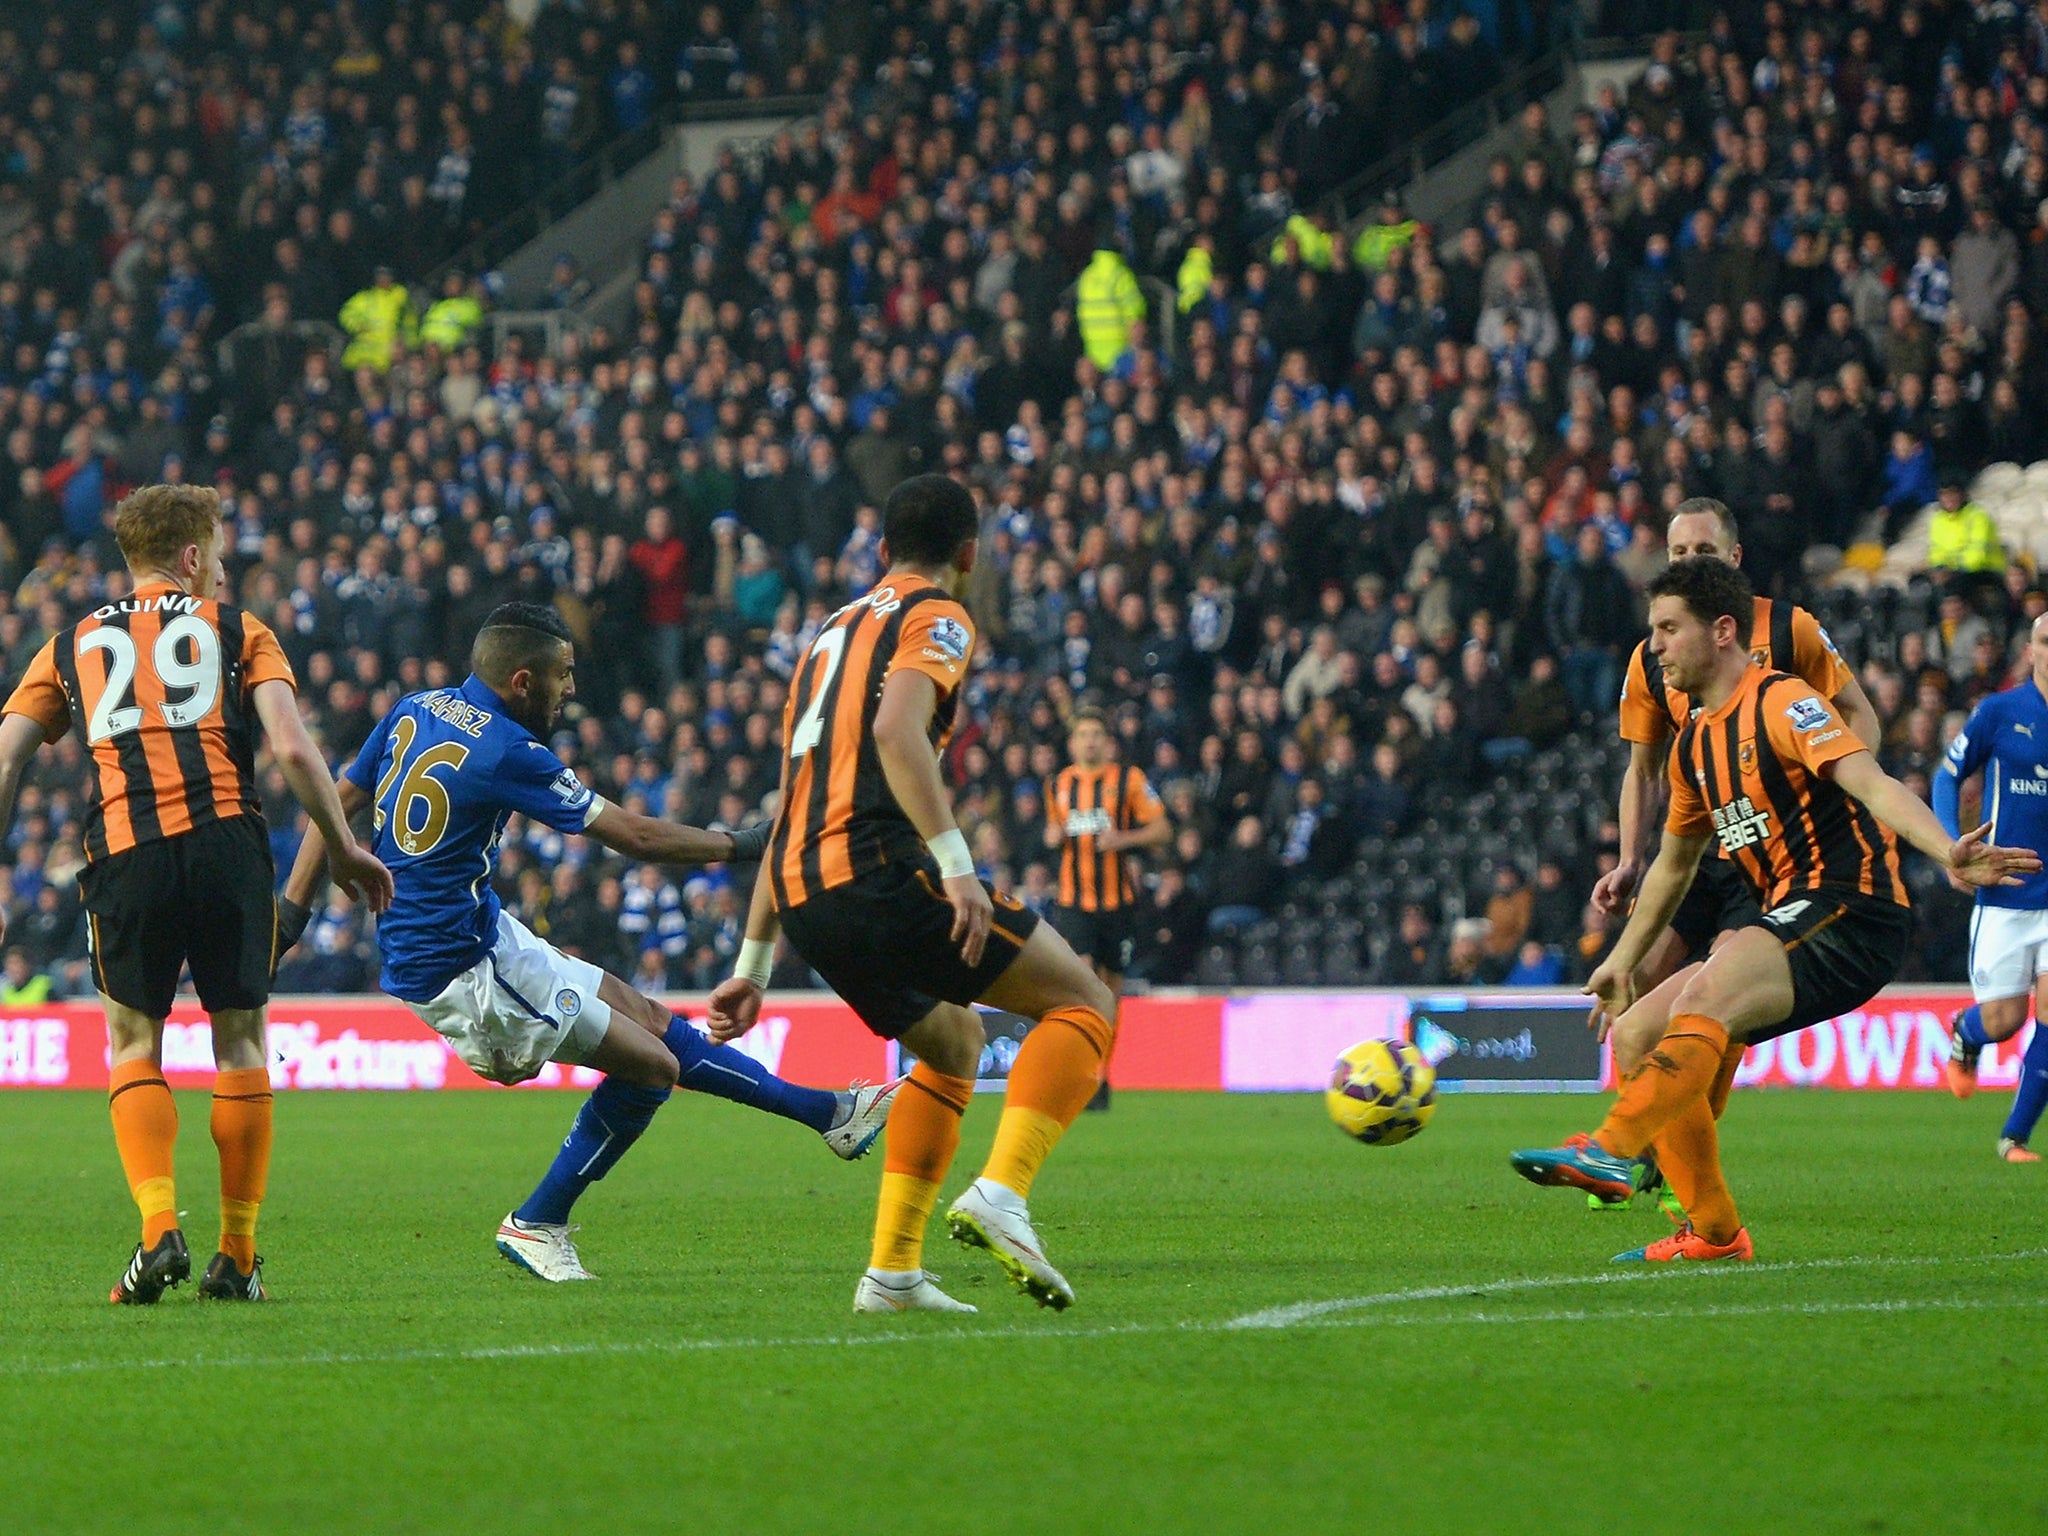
598	214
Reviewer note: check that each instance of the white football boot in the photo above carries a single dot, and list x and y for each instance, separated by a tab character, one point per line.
867	1110
993	1217
541	1250
913	1290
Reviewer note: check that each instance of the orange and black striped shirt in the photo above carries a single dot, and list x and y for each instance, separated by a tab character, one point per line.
1782	638
838	820
160	687
1084	803
1754	774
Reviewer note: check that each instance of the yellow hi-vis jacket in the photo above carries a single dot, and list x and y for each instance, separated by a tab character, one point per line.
1106	303
377	320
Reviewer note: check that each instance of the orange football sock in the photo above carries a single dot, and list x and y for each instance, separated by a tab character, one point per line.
1689	1152
146	1132
1679	1070
1051	1082
920	1139
1724	1080
241	1134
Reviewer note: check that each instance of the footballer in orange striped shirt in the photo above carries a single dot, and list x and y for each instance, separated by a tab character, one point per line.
1782	638
1097	813
871	879
1770	772
166	687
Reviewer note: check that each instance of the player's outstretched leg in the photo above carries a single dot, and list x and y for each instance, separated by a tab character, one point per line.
849	1122
145	1120
923	1135
1051	1082
645	1053
2028	1101
1747	984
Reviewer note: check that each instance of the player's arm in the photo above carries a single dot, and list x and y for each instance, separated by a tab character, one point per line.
19	737
653	841
1815	659
357	870
903	723
1153	828
1641	808
1646	727
736	1001
1969	858
1156	833
309	871
1055	816
1858	713
1612	986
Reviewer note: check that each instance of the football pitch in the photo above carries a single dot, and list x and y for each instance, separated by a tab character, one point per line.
1278	1331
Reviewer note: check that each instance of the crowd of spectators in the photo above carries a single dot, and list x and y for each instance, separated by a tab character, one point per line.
1367	541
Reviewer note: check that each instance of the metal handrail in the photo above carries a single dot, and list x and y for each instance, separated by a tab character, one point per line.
599	170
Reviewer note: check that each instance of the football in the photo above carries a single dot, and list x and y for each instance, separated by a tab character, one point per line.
1381	1092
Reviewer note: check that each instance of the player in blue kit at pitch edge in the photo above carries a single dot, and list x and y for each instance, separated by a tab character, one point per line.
445	770
2006	740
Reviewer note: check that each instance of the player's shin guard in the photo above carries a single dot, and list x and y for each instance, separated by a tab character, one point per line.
2032	1096
1051	1081
1680	1070
241	1134
1689	1153
609	1122
146	1132
922	1135
725	1073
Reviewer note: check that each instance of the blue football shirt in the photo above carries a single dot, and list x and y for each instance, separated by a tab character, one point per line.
447	768
2006	739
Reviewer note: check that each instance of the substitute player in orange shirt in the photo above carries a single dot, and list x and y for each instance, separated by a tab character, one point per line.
166	688
872	881
1802	808
1096	813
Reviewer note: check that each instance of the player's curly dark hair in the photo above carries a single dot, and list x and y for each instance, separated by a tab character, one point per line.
1711	588
927	519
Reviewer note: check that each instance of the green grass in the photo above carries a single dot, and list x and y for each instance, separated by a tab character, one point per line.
1879	1369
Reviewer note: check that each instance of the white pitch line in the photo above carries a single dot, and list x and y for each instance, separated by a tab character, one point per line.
1348	1313
1306	1311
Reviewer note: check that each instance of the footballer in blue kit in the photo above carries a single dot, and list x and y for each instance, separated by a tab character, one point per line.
2005	741
442	773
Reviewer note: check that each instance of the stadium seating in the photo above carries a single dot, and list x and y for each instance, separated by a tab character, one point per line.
1388	431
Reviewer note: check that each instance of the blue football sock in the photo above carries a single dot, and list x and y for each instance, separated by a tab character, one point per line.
609	1122
1970	1028
2032	1096
729	1074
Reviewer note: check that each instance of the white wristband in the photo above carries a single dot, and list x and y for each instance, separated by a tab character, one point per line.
756	962
950	849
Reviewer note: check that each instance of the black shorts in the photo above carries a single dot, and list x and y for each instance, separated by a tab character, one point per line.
884	943
1844	948
204	896
1106	938
1720	901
